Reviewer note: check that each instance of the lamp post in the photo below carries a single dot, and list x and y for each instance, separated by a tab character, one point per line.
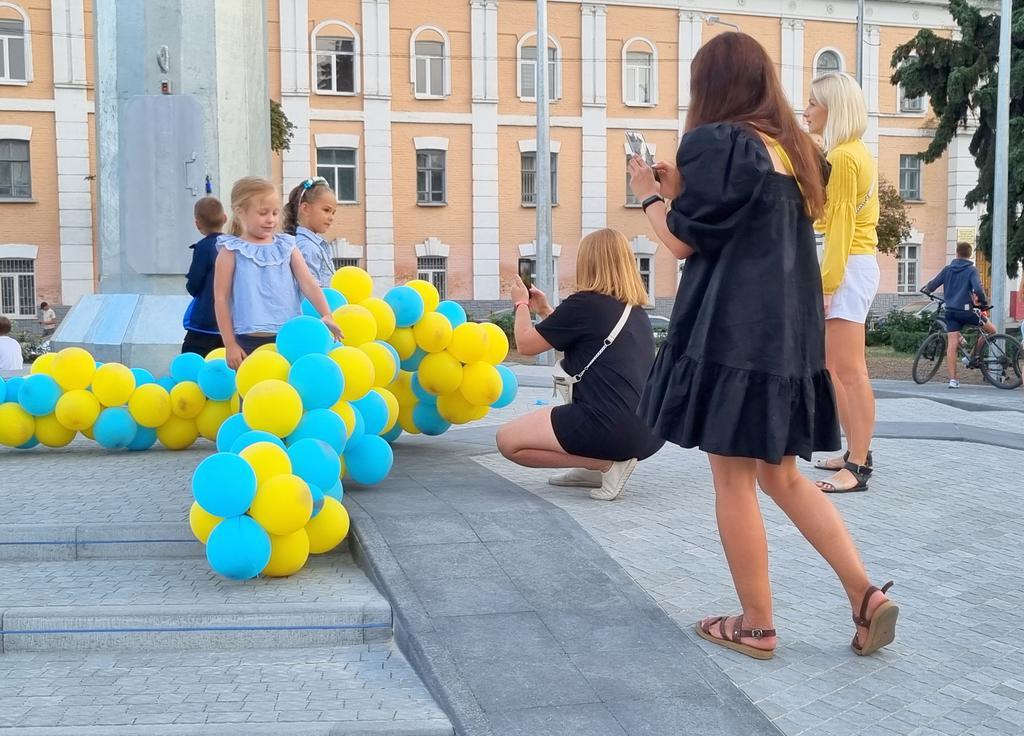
999	194
545	276
714	20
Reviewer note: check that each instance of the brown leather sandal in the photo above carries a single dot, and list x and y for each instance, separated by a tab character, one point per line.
882	626
731	639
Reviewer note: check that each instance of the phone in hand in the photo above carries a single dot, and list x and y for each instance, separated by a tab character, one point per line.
638	146
526	275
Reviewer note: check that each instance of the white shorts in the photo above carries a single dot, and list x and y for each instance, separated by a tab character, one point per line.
852	300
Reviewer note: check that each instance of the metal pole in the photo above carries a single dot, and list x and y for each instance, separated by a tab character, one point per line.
860	43
542	182
999	195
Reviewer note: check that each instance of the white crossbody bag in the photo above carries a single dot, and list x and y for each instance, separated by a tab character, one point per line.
564	382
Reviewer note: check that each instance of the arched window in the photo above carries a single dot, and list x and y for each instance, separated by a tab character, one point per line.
526	53
828	60
15	45
335	58
639	72
430	68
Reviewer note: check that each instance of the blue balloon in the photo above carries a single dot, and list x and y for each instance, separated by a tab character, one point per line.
3	390
337	491
368	461
321	424
422	394
145	437
167	382
509	387
407	305
38	394
217	380
301	336
251	438
142	376
453	311
334	299
392	434
318	499
29	444
230	430
374	411
394	354
315	462
359	427
319	381
13	387
115	429
428	421
238	548
412	363
224	484
186	367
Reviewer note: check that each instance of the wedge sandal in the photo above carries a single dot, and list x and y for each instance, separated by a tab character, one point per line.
731	639
881	627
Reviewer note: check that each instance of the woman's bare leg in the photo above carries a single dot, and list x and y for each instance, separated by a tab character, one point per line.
530	441
847	362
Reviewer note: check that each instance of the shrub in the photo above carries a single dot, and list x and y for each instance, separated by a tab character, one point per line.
507	322
907	342
877	337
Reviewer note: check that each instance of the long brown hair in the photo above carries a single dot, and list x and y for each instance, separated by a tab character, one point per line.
733	80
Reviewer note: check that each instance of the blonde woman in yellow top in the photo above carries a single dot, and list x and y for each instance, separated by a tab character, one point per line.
849	271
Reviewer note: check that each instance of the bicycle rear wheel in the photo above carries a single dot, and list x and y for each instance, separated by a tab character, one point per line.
1000	361
929	357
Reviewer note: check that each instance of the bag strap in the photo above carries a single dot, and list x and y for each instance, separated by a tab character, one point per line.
607	341
867	198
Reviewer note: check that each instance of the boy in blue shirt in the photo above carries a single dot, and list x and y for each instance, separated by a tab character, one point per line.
201	333
961	289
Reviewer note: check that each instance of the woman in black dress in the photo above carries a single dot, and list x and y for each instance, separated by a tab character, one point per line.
599	435
742	375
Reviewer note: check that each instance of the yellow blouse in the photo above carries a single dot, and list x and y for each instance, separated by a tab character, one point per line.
847	231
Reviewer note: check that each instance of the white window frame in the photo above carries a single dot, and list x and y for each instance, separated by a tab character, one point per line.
901	98
629	97
356	58
19	134
644	247
434	274
903	285
446	62
336	167
19	253
27	35
553	94
444	178
920	178
828	50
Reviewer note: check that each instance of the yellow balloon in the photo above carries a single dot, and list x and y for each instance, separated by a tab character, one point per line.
357	324
383	314
440	373
358	371
392	401
187	399
353	282
211	417
87	432
52	433
44	364
348	415
454	408
401	387
433	332
481	383
478	412
273	406
261	366
404	341
426	290
177	433
216	353
16	425
77	409
405	418
469	342
201	522
282	505
384	367
497	343
73	368
329	528
113	384
341	473
150	405
236	403
288	554
267	460
268	347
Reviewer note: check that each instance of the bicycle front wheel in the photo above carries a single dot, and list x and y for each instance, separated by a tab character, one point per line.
929	357
1000	361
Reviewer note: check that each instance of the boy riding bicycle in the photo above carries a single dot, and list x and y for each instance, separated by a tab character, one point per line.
962	290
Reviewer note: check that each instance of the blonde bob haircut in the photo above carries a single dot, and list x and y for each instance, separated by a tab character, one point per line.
244	193
843	98
605	264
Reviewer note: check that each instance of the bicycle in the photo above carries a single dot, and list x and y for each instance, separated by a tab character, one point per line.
997	356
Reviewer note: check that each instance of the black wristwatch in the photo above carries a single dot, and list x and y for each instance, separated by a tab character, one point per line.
650	200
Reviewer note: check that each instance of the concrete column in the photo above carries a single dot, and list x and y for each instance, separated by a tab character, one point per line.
691	31
872	71
297	161
595	127
486	244
793	62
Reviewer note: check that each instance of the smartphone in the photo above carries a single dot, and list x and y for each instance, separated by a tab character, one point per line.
526	276
638	146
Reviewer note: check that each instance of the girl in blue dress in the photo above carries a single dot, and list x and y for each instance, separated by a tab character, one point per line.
308	214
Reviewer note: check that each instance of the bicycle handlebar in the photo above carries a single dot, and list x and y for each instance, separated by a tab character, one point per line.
941	301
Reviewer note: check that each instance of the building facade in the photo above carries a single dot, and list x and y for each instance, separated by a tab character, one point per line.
421	117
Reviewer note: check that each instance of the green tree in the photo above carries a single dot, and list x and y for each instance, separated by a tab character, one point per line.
280	128
959	75
893	223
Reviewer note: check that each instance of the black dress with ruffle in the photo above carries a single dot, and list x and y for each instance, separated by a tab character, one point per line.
742	373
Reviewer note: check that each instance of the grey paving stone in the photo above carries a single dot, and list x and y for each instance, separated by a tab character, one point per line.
503	636
666	716
640	675
460	560
445	528
568	720
471	595
502	686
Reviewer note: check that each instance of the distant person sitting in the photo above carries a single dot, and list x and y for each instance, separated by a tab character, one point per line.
47	319
10	349
201	333
961	289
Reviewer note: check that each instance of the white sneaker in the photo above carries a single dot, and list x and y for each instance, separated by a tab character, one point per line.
613	482
953	383
577	478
